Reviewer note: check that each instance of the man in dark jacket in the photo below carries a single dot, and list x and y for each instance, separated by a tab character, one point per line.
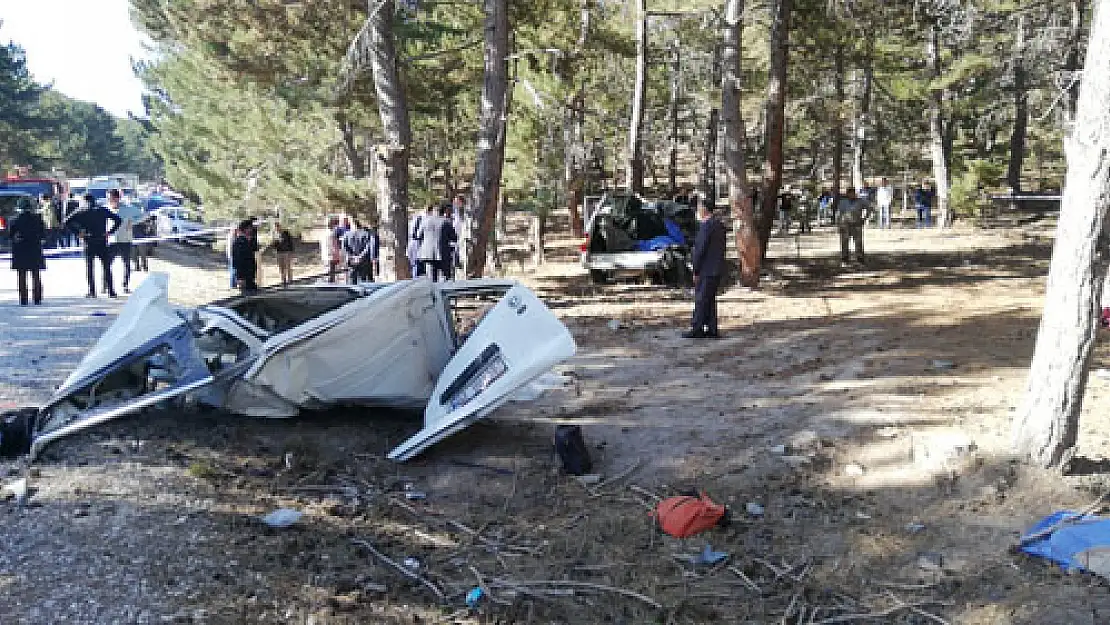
436	235
360	245
28	231
709	265
91	224
243	247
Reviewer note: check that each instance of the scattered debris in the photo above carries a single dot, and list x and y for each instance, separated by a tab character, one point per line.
16	490
797	462
403	570
411	564
853	470
685	515
930	561
754	509
915	527
804	441
709	556
282	517
572	451
474	597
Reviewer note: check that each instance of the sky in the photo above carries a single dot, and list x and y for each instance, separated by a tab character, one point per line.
83	47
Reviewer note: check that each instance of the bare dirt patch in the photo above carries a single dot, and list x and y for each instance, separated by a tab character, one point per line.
865	410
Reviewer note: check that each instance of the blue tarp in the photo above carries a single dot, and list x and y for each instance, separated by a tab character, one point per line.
663	241
1070	543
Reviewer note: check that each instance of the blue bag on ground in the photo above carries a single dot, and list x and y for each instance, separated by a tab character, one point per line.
1074	542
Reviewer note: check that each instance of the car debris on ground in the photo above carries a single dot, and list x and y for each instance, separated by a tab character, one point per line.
459	350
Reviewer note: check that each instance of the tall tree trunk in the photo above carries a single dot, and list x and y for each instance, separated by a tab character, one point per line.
863	111
739	200
491	134
838	124
574	177
776	120
672	160
356	165
707	178
1071	60
1046	429
1021	110
634	169
393	156
937	151
574	140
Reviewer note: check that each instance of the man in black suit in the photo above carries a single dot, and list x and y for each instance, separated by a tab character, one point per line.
436	234
361	247
709	264
92	224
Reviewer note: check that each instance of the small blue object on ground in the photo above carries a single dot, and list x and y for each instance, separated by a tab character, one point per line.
474	597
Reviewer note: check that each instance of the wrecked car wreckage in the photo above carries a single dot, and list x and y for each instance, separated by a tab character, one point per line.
457	349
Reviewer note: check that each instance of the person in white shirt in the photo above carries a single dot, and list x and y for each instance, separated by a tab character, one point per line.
129	215
884	197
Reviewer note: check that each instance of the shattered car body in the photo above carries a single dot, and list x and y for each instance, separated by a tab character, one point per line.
458	349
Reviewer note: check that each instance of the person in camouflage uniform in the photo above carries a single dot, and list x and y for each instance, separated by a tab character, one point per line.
851	213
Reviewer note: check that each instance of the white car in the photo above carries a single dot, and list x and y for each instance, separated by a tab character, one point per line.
177	220
457	349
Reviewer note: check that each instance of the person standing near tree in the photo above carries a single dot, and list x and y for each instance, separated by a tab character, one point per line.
884	198
243	261
412	250
28	232
283	247
708	259
923	202
850	217
435	235
92	226
130	215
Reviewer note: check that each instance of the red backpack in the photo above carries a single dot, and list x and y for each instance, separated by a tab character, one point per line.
684	516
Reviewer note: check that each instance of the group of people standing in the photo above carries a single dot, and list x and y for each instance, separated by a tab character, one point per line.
350	243
106	233
243	251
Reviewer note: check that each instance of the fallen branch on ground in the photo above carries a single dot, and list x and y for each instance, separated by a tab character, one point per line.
573	584
400	569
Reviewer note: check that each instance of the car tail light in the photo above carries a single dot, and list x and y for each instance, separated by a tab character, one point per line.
3	224
585	244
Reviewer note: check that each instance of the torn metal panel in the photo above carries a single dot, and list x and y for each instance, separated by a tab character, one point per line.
517	341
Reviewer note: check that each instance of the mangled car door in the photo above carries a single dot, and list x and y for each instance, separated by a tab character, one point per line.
517	341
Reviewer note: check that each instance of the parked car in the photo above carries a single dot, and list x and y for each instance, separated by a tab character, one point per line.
171	220
10	200
457	349
627	235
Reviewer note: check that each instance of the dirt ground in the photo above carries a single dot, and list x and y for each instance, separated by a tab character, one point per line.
856	421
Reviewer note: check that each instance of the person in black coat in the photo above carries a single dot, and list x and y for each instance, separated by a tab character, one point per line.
436	234
92	225
361	248
709	264
28	232
243	247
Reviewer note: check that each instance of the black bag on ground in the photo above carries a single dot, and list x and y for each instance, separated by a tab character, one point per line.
571	448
